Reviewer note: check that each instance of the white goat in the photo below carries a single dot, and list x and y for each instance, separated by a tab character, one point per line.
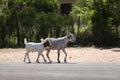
35	47
59	44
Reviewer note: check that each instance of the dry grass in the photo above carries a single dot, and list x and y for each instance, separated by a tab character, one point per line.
74	55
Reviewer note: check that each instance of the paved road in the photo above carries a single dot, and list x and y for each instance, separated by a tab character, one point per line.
55	71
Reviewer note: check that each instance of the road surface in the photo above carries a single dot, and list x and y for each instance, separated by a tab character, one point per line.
62	71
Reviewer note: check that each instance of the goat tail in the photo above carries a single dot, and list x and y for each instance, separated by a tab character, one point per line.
25	41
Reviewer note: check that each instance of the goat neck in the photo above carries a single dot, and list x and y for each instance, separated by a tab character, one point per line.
66	40
46	44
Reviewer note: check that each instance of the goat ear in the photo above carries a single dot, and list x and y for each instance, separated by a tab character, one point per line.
42	40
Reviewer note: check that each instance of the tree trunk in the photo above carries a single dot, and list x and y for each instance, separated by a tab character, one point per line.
117	31
72	26
18	35
3	37
78	31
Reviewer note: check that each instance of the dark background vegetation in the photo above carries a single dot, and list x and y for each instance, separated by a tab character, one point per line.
93	22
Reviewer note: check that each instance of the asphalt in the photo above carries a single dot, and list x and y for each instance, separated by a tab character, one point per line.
59	71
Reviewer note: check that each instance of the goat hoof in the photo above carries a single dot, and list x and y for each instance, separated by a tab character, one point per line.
50	62
58	61
45	61
65	61
30	62
37	61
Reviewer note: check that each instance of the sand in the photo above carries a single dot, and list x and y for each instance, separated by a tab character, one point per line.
80	54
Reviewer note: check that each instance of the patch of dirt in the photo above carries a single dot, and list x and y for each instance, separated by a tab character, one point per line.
74	55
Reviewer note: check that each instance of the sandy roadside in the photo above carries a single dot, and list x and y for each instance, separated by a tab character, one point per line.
74	55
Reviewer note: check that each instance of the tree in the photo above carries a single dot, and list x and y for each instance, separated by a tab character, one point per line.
102	20
115	16
17	18
82	12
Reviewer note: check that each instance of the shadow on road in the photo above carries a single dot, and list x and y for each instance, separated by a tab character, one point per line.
51	63
62	63
116	50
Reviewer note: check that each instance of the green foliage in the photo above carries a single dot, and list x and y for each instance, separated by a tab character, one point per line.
83	8
17	18
97	22
45	5
103	21
33	19
82	12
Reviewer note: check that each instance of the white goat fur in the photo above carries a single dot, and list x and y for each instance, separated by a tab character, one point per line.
33	47
59	44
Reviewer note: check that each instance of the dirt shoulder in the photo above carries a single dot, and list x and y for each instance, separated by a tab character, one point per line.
74	55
